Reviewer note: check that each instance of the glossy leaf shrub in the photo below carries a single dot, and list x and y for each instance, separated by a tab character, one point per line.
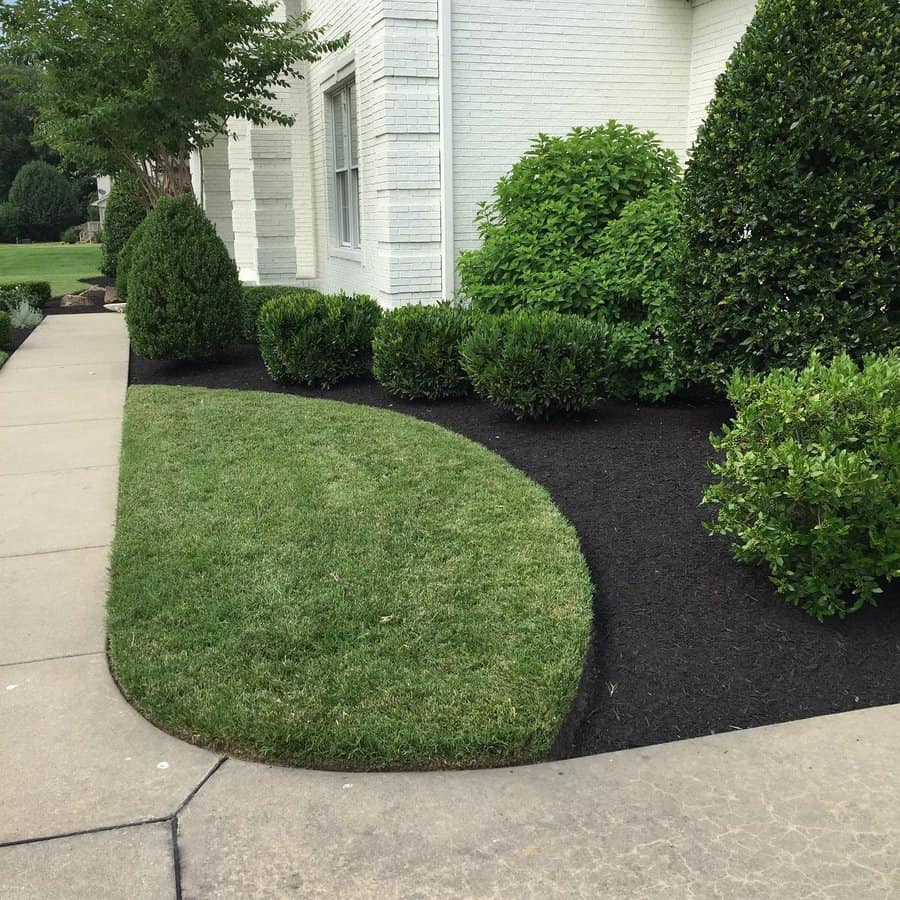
540	232
183	290
416	351
316	339
253	297
534	363
792	214
810	480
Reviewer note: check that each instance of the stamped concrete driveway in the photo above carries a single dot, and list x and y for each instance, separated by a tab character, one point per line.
96	803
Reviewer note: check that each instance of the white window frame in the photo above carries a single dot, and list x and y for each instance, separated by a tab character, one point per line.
345	165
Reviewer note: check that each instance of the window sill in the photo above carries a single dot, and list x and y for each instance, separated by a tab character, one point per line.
354	255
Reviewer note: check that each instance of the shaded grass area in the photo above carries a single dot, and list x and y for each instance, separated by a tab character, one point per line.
63	265
332	585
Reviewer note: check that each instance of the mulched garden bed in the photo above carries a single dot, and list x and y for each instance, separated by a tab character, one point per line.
688	641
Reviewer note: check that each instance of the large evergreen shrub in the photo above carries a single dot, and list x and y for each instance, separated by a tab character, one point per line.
9	224
183	289
792	193
540	232
44	201
124	257
125	210
810	480
415	351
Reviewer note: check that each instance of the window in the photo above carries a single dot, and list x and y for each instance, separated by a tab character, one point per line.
346	165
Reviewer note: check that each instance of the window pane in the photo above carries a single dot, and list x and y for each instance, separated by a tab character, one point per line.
354	198
354	154
338	103
343	203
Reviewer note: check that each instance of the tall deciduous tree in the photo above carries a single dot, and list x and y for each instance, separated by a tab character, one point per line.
139	84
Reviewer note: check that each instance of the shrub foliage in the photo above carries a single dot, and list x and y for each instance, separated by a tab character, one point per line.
125	210
44	201
316	339
253	297
791	195
810	481
416	351
540	232
534	363
5	330
124	257
9	223
36	293
183	289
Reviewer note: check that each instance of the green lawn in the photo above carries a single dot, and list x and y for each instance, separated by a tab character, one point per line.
331	585
60	264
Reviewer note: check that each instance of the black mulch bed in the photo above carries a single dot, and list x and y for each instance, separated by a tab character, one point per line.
18	338
688	642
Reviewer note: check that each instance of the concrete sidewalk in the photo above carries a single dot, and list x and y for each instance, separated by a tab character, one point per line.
96	803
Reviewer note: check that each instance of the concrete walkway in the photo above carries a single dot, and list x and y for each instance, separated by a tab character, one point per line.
96	803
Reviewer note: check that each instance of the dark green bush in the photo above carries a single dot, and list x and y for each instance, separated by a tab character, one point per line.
810	481
416	351
125	210
253	297
44	201
791	194
540	232
9	224
534	363
317	340
184	297
72	235
123	260
36	292
5	330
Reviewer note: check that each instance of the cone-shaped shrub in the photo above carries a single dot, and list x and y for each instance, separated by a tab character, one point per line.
792	216
416	351
184	297
44	201
124	212
123	260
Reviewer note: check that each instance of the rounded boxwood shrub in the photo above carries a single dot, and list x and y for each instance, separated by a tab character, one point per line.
791	215
38	293
540	231
125	210
184	297
72	235
5	330
534	363
810	481
255	296
44	201
416	351
317	339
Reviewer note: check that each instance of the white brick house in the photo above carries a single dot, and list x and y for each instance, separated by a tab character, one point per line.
399	136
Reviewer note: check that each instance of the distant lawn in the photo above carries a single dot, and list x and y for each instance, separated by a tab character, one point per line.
60	264
332	585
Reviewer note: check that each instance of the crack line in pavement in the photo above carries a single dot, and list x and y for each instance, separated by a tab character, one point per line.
68	834
28	662
176	857
219	763
63	422
56	550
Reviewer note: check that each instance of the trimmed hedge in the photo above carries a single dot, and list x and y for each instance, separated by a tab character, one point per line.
791	194
416	351
183	289
5	330
125	210
254	297
534	363
44	201
540	231
316	339
810	481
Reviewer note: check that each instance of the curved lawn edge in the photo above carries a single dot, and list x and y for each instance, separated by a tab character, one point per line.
322	584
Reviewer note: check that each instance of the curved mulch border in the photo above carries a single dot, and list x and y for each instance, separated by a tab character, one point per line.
689	641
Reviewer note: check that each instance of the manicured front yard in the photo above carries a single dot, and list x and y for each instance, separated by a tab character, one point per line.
60	264
331	585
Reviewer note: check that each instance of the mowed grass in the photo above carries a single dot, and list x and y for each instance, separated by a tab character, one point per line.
60	264
330	585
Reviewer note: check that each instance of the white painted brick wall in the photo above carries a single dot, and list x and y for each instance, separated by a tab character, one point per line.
718	25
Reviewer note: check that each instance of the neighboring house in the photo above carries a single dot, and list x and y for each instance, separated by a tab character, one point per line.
400	136
104	183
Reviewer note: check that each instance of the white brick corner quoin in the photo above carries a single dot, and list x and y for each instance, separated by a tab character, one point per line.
449	95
